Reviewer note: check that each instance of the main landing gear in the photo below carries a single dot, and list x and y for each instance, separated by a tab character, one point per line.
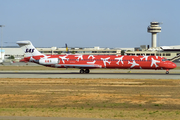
84	71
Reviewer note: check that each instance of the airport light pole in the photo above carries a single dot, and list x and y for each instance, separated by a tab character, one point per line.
1	39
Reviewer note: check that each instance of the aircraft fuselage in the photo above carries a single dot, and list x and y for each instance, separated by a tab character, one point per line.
102	61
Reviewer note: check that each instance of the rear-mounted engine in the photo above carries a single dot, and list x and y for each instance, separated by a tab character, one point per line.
49	61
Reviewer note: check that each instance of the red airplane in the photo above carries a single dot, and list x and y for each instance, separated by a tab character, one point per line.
86	62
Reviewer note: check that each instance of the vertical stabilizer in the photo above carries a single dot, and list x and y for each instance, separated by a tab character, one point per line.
28	48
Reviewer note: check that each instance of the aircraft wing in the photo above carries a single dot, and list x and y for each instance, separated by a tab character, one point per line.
78	66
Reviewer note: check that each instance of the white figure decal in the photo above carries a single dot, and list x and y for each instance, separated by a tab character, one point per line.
154	62
146	57
91	62
105	60
64	58
133	63
119	60
79	57
45	57
91	56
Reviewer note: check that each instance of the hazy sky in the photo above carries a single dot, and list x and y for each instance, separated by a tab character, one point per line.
89	23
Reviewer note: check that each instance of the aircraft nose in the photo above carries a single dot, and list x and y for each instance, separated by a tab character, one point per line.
168	65
173	65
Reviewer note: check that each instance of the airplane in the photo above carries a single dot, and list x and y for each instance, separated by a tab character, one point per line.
87	62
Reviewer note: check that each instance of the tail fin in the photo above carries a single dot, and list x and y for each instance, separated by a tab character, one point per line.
28	48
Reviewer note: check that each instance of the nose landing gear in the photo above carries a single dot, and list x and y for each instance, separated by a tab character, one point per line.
167	71
84	71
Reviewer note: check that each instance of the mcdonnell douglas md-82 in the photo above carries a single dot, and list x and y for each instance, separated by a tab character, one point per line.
86	62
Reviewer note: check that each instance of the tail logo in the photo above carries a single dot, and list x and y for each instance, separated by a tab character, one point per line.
29	50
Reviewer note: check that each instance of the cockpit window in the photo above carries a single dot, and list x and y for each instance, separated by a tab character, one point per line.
164	59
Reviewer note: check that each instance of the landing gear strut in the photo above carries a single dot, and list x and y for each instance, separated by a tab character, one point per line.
167	71
84	71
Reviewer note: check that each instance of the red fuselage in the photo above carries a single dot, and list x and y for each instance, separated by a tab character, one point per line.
102	61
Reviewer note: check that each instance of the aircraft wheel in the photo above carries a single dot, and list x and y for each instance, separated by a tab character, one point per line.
87	71
167	72
81	71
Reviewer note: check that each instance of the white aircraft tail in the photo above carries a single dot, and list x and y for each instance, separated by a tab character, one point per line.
28	48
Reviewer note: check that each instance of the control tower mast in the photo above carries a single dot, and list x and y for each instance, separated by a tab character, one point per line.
154	29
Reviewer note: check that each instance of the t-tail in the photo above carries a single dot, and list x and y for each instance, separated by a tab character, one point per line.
28	49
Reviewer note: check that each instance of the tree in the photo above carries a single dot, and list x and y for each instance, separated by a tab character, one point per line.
122	52
59	52
73	52
11	57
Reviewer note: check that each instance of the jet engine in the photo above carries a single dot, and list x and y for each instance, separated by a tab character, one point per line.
49	61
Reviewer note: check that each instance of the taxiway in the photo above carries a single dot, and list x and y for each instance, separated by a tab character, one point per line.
104	73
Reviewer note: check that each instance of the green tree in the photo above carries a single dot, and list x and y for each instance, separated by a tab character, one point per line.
59	52
73	52
122	52
11	57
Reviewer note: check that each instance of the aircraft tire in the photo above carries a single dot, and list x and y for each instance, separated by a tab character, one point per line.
81	71
167	72
87	71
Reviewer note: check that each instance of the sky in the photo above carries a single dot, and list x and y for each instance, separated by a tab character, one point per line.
89	23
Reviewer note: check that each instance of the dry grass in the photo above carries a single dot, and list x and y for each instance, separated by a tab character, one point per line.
91	98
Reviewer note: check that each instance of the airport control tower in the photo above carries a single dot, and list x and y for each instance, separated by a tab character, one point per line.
154	29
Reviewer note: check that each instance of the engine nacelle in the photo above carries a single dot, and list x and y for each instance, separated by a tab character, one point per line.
49	61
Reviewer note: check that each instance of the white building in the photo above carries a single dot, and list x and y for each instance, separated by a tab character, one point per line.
2	53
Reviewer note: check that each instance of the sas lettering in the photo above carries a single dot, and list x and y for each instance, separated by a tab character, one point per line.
29	50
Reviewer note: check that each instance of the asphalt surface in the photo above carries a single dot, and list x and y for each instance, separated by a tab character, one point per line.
104	73
94	73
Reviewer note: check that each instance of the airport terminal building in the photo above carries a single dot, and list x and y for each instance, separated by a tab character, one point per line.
18	53
168	52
